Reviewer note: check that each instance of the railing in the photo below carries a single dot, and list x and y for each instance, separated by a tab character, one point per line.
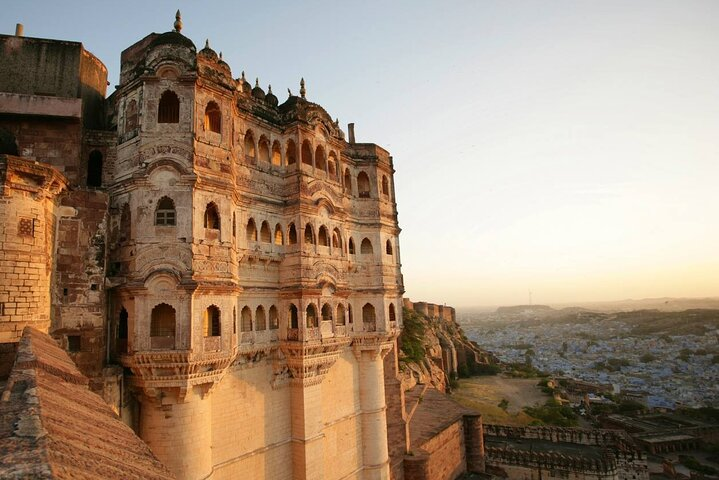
370	326
312	334
213	344
162	343
247	337
293	334
340	330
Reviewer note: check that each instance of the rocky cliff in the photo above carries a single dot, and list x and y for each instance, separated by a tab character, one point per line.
434	349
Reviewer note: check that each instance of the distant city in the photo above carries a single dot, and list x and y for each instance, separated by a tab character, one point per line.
663	359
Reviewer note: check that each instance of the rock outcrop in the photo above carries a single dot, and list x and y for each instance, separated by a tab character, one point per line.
434	349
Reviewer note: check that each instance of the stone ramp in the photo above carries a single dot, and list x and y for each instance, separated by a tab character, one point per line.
53	427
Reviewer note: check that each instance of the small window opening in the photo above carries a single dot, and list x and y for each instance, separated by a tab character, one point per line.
73	343
94	169
212	217
165	213
213	118
168	110
211	322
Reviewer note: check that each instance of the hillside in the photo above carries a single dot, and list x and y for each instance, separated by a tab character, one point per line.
435	350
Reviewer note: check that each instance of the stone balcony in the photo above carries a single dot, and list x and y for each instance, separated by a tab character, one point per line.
179	370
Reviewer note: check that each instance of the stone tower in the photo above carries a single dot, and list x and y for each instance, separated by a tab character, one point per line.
254	272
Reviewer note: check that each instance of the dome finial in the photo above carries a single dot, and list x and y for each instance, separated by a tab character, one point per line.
303	91
220	55
243	75
269	88
207	43
178	21
257	81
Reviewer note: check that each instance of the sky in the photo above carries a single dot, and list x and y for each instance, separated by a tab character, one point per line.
568	148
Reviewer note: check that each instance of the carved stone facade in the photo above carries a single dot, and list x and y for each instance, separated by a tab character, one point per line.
239	258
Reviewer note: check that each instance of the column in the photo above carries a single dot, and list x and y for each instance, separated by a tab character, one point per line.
307	436
375	455
179	432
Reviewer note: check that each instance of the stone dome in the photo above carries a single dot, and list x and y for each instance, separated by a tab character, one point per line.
271	98
257	92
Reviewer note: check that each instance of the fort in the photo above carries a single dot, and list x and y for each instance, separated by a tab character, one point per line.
198	281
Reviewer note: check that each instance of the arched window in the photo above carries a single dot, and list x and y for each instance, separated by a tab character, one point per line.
162	326
322	238
340	314
260	319
352	246
249	145
264	149
320	162
385	186
309	234
246	319
131	116
213	118
312	316
388	248
363	185
265	233
349	313
294	317
274	318
368	318
168	111
276	154
212	217
366	247
306	153
251	231
348	181
165	213
291	152
211	322
336	240
326	313
291	234
332	166
278	235
94	169
392	314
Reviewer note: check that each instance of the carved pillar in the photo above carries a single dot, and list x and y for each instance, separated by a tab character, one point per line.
370	351
179	432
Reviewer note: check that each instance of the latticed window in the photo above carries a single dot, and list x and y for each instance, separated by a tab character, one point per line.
368	314
392	314
274	318
260	319
165	213
168	111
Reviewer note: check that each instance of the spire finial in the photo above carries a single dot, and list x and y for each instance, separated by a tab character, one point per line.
220	55
243	75
207	43
303	91
257	82
178	21
269	88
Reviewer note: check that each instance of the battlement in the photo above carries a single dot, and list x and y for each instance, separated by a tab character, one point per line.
431	310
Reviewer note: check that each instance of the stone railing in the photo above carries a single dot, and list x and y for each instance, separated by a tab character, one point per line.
213	344
340	330
162	343
293	334
370	326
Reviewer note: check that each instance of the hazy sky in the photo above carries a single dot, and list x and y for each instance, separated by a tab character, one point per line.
567	147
